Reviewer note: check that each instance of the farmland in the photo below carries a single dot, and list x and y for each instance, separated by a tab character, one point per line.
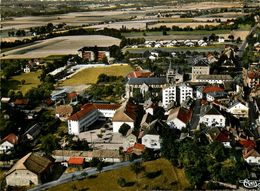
60	46
168	178
90	75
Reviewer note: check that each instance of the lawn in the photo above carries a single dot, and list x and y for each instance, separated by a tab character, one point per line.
31	80
245	27
90	75
165	177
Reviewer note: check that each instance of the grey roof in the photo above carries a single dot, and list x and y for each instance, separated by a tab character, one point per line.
209	110
201	62
34	131
148	81
218	94
214	77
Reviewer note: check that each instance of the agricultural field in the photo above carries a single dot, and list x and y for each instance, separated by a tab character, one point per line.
90	75
31	80
60	46
166	177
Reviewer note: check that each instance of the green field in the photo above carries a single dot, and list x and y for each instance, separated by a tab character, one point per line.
246	27
31	80
90	75
170	178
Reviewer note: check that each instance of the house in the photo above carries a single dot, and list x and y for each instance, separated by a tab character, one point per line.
146	120
72	98
144	85
63	112
200	67
136	149
212	93
33	132
90	113
65	155
251	78
210	116
94	53
31	169
129	140
221	39
251	156
127	114
179	117
140	73
151	135
214	134
214	79
238	109
7	144
21	103
76	162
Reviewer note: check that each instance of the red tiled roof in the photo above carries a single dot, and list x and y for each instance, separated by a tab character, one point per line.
107	106
89	107
21	102
72	95
138	146
253	75
76	160
184	115
212	89
222	137
247	143
139	74
11	138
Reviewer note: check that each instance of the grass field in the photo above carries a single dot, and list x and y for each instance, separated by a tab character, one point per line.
170	178
31	80
90	75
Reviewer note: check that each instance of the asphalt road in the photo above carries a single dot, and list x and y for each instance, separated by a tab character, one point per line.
78	175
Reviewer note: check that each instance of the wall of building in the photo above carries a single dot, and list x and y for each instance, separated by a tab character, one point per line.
209	120
5	146
199	70
22	178
151	141
176	123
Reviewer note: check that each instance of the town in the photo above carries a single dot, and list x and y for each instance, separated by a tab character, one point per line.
146	108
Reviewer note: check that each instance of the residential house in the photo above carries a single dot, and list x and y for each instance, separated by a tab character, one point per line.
212	93
214	134
127	114
146	120
7	144
251	156
76	162
238	109
214	79
63	112
129	140
33	132
143	85
90	113
151	135
140	73
31	169
179	117
65	155
21	103
200	67
210	116
72	98
251	77
94	53
136	149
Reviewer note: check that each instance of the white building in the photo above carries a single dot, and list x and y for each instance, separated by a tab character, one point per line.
210	116
179	117
8	143
90	113
251	156
127	114
238	109
177	94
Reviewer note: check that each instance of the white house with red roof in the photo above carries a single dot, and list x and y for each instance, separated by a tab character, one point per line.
8	143
90	113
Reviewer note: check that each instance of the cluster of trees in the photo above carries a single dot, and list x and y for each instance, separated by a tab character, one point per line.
131	41
12	67
18	33
203	161
103	78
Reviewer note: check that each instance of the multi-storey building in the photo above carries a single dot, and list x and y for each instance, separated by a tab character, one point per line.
90	113
200	67
94	53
